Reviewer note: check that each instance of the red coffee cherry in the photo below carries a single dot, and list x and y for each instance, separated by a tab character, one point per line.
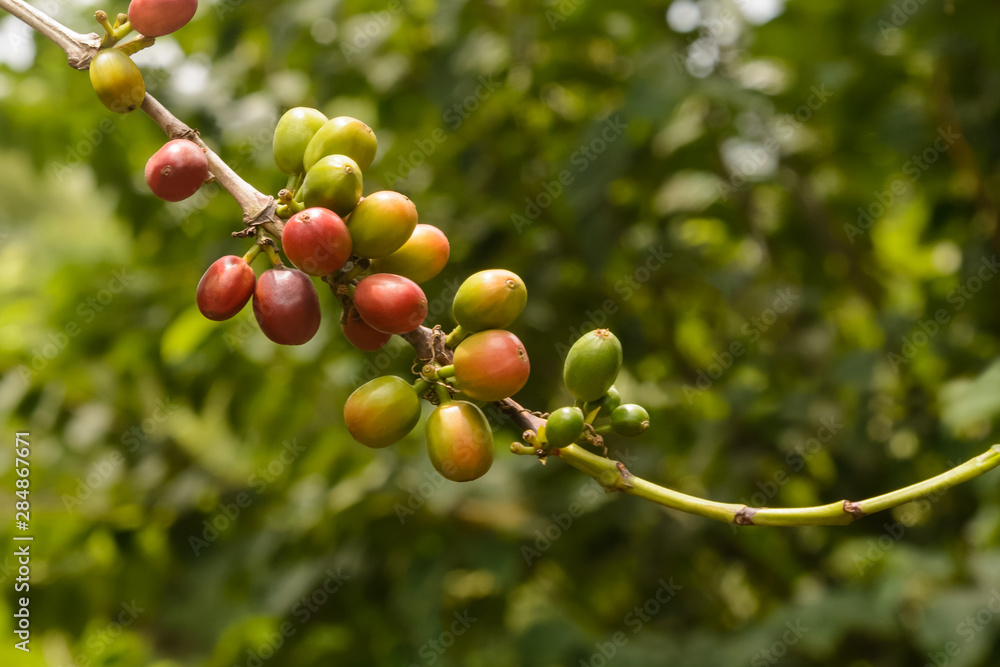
459	441
390	303
225	288
360	335
177	170
286	306
421	258
155	18
491	365
316	240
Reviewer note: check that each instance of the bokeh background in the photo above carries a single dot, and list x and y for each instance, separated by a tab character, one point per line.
814	183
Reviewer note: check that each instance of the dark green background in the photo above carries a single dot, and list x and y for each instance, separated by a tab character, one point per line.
747	153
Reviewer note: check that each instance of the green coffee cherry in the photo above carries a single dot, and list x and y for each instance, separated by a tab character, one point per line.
342	135
291	136
564	427
381	223
592	365
382	411
629	419
117	81
489	299
606	403
335	183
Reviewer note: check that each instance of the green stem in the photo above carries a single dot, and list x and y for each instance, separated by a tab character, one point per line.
446	372
456	336
613	476
109	30
122	29
134	46
287	210
252	253
294	183
421	386
442	392
359	267
272	254
522	449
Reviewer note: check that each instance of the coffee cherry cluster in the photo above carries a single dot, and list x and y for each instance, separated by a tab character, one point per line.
589	372
489	364
115	78
373	252
370	249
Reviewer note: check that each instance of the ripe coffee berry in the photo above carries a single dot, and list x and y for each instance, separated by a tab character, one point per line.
286	306
316	240
360	334
155	18
177	170
390	303
225	288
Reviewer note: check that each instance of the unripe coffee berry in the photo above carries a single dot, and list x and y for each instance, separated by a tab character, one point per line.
491	365
382	411
489	299
629	419
459	441
564	427
592	365
117	81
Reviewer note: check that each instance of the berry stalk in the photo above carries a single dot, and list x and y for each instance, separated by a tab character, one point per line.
614	476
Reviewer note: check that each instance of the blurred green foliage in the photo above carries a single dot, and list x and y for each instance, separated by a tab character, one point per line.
787	213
